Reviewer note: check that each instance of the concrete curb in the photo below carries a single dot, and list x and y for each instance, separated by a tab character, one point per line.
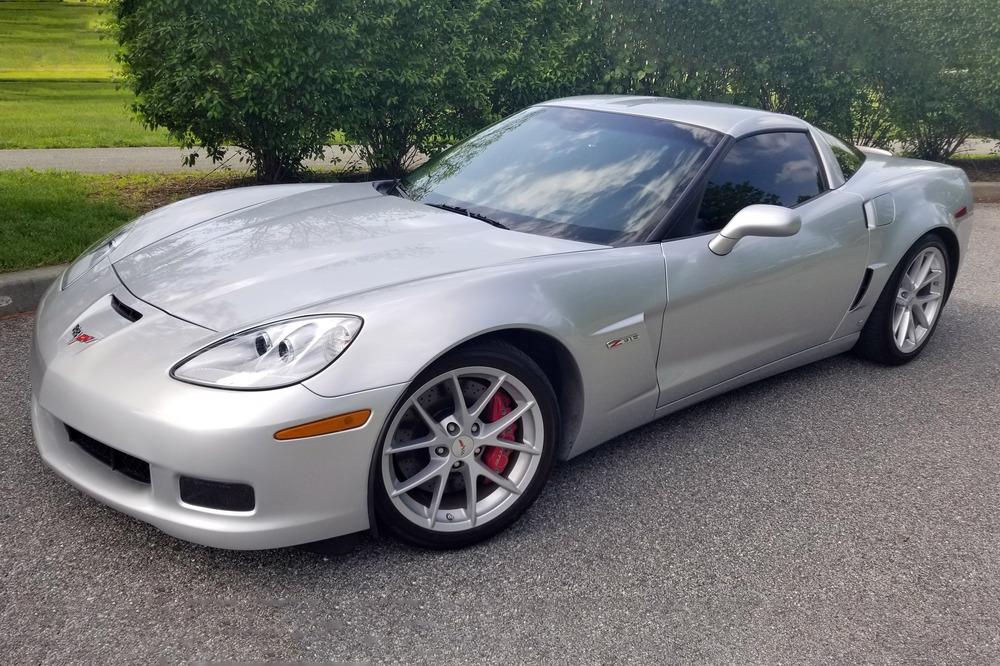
20	292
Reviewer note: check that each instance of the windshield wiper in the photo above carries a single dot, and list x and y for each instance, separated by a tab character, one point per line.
469	213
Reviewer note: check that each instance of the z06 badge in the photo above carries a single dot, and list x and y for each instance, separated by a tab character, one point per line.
618	342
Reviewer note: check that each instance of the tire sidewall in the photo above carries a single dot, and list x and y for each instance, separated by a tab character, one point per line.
499	356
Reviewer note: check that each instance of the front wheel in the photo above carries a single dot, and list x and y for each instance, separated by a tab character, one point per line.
468	449
908	310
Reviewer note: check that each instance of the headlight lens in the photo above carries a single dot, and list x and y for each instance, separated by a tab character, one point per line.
270	356
93	255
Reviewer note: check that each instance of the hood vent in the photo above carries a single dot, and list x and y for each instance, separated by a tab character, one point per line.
125	311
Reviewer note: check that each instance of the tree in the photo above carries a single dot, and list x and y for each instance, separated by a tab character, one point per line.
262	75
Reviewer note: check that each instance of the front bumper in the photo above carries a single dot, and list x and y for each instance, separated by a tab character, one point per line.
117	390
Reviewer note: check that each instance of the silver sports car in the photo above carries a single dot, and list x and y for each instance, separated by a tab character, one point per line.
279	365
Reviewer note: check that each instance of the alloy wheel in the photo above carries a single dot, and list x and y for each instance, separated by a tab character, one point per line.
462	449
919	297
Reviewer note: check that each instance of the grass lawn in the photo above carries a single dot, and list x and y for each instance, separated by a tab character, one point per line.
53	40
70	114
50	217
56	88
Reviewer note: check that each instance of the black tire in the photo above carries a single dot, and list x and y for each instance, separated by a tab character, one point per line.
508	359
876	342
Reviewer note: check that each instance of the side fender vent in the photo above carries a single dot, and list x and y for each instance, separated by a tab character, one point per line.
865	283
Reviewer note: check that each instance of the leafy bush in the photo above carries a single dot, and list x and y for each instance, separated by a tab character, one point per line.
941	71
258	74
919	72
788	56
404	77
430	71
411	87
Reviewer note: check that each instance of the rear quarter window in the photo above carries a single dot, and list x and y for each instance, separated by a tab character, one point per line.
848	157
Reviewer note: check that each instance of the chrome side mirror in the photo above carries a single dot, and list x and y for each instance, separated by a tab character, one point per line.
756	220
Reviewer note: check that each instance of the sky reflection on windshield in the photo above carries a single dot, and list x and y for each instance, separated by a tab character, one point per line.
571	173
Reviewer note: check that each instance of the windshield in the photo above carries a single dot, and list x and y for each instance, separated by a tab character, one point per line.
569	173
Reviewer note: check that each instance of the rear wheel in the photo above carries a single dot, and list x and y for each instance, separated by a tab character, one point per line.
468	449
909	308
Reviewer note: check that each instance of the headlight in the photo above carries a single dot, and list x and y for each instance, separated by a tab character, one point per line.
270	356
93	255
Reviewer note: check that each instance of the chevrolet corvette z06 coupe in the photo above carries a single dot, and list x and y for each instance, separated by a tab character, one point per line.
279	365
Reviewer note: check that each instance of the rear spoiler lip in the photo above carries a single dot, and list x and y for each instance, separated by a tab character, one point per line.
868	150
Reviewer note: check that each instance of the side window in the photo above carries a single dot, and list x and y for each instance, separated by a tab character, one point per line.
848	157
778	168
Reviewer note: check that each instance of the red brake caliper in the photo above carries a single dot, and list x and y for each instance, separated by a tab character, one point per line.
494	457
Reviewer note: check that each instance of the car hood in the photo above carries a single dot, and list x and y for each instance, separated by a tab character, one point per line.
295	252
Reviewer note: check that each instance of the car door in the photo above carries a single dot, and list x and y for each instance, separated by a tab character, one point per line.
770	297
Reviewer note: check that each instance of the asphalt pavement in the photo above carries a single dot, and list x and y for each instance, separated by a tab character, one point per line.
842	512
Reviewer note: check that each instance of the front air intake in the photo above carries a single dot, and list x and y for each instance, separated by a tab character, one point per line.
119	461
216	494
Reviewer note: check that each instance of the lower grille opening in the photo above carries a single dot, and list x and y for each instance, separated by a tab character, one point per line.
121	462
216	494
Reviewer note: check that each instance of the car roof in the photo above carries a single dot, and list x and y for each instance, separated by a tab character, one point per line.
732	120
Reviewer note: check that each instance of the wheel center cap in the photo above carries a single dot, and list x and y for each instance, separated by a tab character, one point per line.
462	446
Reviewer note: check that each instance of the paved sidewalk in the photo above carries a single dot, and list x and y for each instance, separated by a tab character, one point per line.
139	160
160	160
979	147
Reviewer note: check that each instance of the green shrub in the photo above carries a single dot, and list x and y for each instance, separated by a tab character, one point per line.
942	72
789	56
403	77
399	77
262	75
430	71
919	72
411	89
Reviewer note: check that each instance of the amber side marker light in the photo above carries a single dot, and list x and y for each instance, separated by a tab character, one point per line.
328	426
